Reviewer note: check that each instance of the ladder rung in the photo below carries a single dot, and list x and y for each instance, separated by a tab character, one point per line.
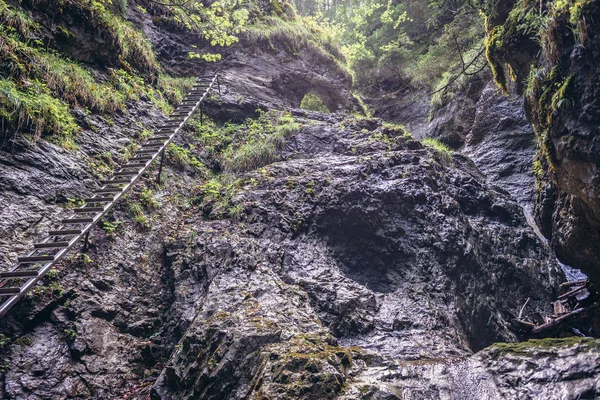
65	232
88	210
116	182
77	220
109	190
125	173
136	165
34	259
140	158
18	274
9	291
144	151
99	200
161	137
51	245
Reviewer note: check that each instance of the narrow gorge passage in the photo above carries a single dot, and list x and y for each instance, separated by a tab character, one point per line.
381	201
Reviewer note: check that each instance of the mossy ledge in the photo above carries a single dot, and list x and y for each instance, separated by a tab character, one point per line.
542	346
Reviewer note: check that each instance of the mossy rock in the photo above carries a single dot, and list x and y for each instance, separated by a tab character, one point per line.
541	346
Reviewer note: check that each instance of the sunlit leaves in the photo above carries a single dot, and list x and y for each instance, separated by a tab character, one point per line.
219	23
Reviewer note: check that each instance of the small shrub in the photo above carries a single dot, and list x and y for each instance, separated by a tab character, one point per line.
313	102
4	341
70	334
139	217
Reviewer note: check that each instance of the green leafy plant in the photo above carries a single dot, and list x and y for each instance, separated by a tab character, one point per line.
182	158
314	103
216	195
110	227
147	199
70	334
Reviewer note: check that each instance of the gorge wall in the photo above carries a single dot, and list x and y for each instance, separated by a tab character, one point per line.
351	261
558	76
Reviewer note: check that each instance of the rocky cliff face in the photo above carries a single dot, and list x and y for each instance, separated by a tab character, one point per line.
559	76
493	131
361	248
360	265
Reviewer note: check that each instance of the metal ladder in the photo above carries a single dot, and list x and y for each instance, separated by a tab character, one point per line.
45	254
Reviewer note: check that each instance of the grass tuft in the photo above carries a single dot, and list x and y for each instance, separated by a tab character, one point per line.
444	151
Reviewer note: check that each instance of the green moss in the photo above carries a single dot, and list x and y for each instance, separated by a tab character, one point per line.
541	345
560	99
492	46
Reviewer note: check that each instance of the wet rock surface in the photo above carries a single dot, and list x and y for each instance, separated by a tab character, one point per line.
403	105
562	104
493	130
349	255
361	266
